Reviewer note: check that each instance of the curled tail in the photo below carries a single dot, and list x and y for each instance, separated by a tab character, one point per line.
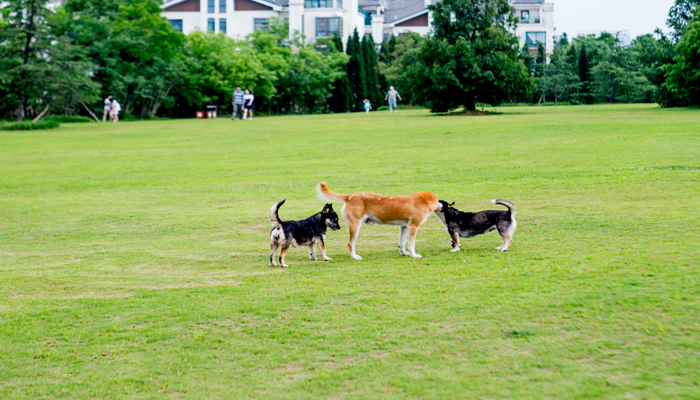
326	195
274	217
508	204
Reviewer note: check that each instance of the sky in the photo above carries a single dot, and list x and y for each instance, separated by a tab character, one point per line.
637	16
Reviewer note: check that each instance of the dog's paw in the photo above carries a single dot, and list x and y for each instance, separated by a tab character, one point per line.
498	248
403	253
285	266
327	259
313	258
456	249
356	257
416	255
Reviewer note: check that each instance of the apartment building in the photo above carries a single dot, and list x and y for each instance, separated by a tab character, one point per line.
324	18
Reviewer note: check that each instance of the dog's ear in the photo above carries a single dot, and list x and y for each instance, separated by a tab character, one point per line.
452	205
328	208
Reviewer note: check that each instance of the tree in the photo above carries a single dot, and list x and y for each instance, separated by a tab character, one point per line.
372	88
26	41
684	77
400	66
341	95
681	14
356	71
563	83
472	56
619	78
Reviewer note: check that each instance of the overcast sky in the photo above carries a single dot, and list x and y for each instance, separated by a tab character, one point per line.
637	16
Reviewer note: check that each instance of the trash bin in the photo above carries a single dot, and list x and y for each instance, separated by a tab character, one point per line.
201	115
211	111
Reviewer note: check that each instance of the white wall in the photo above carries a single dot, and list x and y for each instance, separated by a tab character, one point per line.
190	19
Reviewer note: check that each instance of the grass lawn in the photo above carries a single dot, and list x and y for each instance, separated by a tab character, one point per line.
134	258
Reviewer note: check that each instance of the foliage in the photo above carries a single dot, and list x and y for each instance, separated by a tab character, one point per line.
356	71
472	56
69	118
684	76
30	126
400	63
373	87
681	14
341	96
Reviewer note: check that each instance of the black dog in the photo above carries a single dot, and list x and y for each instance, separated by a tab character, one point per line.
301	233
466	224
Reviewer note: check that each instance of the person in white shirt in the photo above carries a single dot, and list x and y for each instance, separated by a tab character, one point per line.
108	108
115	111
248	100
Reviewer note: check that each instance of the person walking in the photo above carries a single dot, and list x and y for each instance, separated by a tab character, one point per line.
108	108
368	105
237	102
248	99
391	95
114	115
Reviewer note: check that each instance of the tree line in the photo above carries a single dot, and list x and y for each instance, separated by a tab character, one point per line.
65	60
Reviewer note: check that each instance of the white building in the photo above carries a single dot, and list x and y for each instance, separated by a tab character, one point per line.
535	23
624	36
323	18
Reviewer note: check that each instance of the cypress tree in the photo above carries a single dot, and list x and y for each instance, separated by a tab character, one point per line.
356	71
371	73
583	73
341	97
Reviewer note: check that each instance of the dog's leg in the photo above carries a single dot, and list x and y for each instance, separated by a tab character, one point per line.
312	252
412	241
283	251
403	234
322	249
506	231
273	247
455	241
354	229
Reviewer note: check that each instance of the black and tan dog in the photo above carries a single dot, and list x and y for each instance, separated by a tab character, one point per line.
308	232
466	224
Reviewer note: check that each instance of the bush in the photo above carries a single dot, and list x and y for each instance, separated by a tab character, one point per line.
69	118
29	125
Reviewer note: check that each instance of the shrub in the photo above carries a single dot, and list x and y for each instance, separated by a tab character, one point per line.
29	125
69	118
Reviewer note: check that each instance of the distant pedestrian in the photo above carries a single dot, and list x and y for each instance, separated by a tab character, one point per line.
248	100
237	103
114	115
368	105
391	95
108	108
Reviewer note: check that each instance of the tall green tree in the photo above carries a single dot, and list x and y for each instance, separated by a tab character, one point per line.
356	71
372	88
618	77
684	76
399	67
680	16
472	56
341	95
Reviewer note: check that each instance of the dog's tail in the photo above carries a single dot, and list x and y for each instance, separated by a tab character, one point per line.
326	195
508	204
274	217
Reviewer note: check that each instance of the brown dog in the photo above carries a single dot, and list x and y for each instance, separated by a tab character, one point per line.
408	212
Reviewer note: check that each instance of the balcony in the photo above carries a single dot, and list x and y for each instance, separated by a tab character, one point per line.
529	20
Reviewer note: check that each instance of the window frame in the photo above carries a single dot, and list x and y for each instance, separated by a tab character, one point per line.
523	19
211	25
329	32
533	43
174	23
222	6
259	25
222	24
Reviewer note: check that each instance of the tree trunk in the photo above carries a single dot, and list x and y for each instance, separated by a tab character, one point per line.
45	109
90	111
470	104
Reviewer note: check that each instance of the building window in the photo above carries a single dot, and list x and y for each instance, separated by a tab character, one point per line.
222	6
524	17
260	24
368	18
176	24
211	6
210	25
534	38
318	4
326	27
222	25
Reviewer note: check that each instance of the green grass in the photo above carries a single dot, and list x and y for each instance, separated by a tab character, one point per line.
134	259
